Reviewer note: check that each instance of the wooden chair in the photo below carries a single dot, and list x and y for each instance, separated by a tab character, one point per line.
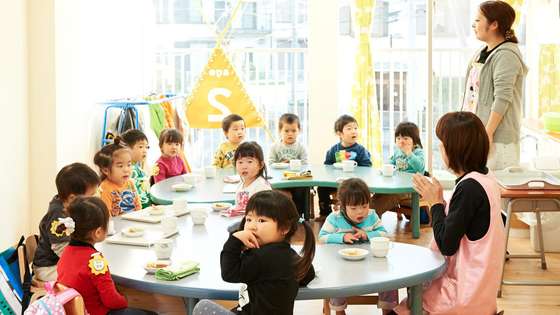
25	258
352	300
75	306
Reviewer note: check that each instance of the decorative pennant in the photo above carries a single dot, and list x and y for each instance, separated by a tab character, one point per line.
219	92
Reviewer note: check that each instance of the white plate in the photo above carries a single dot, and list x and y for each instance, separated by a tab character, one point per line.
151	269
181	187
219	206
156	210
337	165
137	231
353	253
280	165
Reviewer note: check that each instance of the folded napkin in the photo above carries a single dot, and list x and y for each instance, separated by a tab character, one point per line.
298	175
178	270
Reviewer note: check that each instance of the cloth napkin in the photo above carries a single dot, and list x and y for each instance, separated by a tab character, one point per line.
178	270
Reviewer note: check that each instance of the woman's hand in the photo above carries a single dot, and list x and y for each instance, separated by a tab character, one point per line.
431	192
248	238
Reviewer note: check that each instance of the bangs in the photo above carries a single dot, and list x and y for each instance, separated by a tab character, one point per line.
356	198
173	137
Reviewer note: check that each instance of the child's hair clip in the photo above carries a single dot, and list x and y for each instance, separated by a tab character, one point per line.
69	225
301	220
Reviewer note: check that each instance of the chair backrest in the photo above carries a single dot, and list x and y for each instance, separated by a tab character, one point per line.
75	306
31	246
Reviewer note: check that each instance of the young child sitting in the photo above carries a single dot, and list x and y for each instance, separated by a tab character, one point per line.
346	128
355	223
137	141
73	180
82	267
234	129
408	157
117	190
170	163
249	163
264	240
288	149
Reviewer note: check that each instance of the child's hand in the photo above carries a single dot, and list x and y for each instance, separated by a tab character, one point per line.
350	238
248	238
360	233
407	149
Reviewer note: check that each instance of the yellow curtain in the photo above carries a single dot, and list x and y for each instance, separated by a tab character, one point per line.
549	78
364	99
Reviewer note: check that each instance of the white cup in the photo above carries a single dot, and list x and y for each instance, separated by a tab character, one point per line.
199	215
163	248
379	246
210	171
388	169
349	165
169	224
295	165
111	227
179	205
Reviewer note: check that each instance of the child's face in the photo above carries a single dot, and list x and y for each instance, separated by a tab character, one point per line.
404	142
121	168
236	132
140	151
357	213
170	149
349	134
265	229
248	168
289	133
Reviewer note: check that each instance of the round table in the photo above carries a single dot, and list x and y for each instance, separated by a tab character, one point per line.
211	190
335	277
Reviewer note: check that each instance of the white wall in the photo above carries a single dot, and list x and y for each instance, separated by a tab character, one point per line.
14	190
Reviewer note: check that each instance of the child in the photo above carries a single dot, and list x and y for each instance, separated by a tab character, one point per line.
346	128
137	141
468	228
355	223
82	267
264	240
117	189
249	163
288	149
170	163
234	129
73	180
408	157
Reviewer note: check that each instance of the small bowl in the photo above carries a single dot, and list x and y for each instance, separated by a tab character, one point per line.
280	165
181	187
153	266
219	206
133	231
353	253
156	210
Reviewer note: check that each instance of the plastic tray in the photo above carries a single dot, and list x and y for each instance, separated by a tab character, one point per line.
521	179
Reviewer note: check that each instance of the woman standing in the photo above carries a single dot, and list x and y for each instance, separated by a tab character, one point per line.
494	82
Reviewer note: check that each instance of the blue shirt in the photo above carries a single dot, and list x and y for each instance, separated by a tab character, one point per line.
413	163
335	226
355	152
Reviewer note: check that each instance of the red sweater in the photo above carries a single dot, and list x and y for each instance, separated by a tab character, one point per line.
83	268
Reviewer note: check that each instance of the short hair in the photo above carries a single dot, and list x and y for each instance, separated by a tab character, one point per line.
88	213
132	136
353	192
104	157
170	135
288	118
465	141
76	179
409	129
253	150
343	121
230	119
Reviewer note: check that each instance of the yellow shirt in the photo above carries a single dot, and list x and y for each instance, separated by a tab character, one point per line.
224	156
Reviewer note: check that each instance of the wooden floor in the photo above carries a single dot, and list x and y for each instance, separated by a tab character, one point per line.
516	300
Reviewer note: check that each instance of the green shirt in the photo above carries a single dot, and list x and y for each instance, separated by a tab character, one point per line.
141	183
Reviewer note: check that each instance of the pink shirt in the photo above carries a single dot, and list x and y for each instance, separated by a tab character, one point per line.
168	167
470	283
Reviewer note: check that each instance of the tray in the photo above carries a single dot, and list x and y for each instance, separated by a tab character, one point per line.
516	178
145	216
151	235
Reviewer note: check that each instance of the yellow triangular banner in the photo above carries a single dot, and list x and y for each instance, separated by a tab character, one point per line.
218	93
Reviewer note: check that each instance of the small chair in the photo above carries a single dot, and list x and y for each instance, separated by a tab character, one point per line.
352	300
75	306
25	258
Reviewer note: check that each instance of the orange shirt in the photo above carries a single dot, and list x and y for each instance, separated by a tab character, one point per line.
120	199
